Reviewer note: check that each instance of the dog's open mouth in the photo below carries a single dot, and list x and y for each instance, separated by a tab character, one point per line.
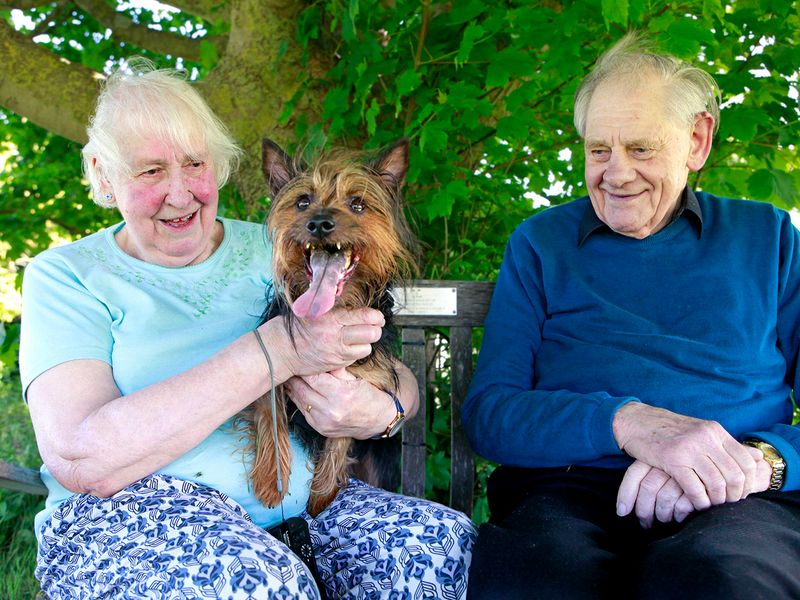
328	267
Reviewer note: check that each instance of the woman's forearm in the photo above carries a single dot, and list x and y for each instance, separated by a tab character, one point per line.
107	441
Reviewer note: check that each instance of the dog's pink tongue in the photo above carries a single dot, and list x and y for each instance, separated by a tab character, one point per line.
326	272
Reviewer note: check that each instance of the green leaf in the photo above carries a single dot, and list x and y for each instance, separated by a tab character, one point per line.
407	82
506	63
692	28
637	11
615	11
440	205
467	11
353	9
432	139
336	102
714	8
472	33
208	54
515	125
361	68
761	184
308	25
741	123
282	47
457	189
349	21
371	115
786	187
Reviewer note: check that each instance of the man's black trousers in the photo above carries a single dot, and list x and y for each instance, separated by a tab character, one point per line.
554	533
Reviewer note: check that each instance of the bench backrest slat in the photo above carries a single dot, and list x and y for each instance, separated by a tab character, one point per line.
21	479
460	306
413	453
462	463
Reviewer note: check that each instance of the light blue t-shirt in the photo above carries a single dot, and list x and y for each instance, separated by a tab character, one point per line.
91	300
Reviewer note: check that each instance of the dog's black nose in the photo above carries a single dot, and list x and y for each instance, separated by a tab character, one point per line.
320	225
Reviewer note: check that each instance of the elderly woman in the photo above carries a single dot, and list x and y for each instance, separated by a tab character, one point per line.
137	354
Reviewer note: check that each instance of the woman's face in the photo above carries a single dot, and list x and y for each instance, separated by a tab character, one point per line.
169	204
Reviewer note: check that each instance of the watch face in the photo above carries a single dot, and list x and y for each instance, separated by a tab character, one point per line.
775	460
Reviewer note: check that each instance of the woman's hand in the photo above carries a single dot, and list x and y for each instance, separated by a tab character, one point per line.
334	341
337	404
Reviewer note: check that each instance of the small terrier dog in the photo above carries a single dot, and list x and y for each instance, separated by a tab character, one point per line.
340	238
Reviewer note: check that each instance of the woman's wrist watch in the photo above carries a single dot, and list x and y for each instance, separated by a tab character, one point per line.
775	460
398	420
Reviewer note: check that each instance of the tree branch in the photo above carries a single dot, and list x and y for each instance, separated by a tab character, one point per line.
32	80
125	29
25	4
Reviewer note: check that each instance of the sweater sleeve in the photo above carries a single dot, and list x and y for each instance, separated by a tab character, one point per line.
784	437
507	418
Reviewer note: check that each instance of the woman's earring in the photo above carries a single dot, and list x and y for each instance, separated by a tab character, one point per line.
108	196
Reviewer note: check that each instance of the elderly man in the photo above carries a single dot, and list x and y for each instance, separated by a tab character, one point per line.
636	373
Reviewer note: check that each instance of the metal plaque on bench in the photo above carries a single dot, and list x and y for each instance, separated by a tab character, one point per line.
416	301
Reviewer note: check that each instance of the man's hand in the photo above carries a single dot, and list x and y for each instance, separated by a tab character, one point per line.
706	462
651	494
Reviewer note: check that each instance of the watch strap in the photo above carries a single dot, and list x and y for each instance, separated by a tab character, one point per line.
397	422
775	460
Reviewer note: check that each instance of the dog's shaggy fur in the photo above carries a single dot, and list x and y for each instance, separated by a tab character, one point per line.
340	238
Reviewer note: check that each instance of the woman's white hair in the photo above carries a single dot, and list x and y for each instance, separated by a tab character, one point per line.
141	103
689	90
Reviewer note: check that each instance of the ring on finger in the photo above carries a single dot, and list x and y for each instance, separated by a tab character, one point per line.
308	409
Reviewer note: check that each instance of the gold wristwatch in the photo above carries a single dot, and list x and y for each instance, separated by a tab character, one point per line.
397	422
775	460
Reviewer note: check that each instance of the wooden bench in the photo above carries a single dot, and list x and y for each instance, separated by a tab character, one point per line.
431	313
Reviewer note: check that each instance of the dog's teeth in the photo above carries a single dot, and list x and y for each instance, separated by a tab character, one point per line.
338	246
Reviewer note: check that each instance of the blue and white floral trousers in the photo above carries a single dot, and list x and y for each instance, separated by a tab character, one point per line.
167	538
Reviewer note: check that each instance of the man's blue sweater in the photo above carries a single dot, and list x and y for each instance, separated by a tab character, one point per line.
700	319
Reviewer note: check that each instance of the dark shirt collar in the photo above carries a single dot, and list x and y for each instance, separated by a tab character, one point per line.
689	206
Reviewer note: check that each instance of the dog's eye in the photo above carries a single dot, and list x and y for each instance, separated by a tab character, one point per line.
303	202
357	204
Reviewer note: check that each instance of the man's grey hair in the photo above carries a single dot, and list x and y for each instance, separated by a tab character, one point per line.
143	103
689	90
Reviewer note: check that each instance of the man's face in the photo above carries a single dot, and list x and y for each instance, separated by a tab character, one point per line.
637	160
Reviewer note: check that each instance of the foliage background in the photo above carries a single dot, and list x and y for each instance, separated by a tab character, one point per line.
484	91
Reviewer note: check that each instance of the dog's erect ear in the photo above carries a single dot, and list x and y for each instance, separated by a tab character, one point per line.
392	164
276	165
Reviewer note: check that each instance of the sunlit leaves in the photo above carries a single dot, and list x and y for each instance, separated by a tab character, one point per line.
484	91
42	189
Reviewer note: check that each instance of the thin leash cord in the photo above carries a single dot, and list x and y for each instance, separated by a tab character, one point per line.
279	483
